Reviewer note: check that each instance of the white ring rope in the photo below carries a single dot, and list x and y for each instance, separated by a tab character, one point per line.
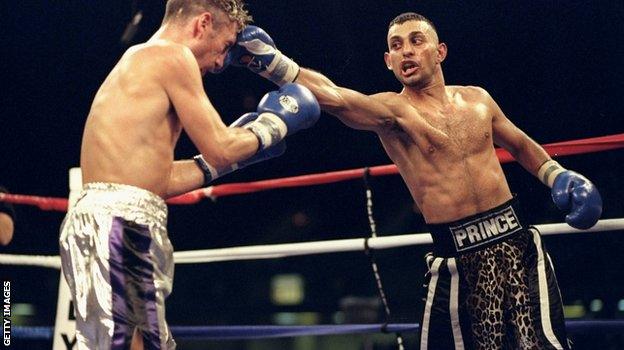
307	248
51	261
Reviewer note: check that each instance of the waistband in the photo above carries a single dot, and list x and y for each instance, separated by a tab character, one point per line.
477	231
119	199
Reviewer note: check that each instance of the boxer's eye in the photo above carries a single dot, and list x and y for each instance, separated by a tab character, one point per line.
416	40
228	46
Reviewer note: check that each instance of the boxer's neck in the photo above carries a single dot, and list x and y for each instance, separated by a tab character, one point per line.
174	33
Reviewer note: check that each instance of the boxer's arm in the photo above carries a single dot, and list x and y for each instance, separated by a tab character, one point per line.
536	161
526	151
220	145
185	176
256	50
570	191
353	108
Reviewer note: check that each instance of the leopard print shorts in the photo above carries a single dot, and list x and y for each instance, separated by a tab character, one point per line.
504	296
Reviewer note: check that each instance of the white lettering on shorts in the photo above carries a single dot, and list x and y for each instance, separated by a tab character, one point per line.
491	227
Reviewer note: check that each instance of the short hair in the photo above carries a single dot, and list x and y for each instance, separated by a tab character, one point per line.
411	16
182	9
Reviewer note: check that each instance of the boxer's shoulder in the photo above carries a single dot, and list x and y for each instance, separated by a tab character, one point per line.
392	100
168	54
468	93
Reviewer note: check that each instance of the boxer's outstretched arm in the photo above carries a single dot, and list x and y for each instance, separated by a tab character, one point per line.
353	108
256	50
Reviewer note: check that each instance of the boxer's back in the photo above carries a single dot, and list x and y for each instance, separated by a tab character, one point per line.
131	130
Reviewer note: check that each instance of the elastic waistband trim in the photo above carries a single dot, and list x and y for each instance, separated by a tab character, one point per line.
477	231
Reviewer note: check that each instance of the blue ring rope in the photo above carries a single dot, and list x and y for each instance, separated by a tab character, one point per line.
263	332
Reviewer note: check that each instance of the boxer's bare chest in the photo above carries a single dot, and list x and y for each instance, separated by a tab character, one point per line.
459	128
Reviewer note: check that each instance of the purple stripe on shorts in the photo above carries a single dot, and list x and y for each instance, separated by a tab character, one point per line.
139	258
132	281
118	282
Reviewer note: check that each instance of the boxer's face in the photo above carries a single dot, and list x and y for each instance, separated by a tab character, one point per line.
224	40
216	41
414	53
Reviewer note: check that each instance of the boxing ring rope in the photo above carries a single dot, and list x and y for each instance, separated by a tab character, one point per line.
308	248
589	145
266	332
275	251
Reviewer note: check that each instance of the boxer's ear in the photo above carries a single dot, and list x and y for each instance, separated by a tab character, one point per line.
387	60
442	51
203	23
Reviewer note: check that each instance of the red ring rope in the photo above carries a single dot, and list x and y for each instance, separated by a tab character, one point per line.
595	144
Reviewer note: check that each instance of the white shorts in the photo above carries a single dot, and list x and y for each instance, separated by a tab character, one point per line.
118	262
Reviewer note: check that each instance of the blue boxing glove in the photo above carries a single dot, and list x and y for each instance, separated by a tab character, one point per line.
256	50
284	112
574	193
211	173
244	119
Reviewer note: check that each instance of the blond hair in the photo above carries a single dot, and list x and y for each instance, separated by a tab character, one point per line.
183	9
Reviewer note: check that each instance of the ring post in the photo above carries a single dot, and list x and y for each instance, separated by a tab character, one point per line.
65	324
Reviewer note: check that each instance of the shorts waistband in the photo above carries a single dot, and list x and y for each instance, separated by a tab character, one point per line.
122	198
477	231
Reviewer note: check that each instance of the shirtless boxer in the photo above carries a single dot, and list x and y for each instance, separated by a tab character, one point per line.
116	255
491	283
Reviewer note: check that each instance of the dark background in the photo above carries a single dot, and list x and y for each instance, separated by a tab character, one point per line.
554	67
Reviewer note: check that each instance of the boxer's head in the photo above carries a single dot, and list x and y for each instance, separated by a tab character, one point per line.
225	11
211	24
414	51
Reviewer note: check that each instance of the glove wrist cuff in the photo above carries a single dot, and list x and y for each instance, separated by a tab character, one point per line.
282	70
549	171
210	173
269	129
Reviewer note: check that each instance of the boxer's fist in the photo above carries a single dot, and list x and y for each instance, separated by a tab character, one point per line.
294	104
577	195
274	151
211	173
283	113
256	50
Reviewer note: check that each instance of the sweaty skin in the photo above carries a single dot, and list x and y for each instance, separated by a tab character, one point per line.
153	92
441	138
